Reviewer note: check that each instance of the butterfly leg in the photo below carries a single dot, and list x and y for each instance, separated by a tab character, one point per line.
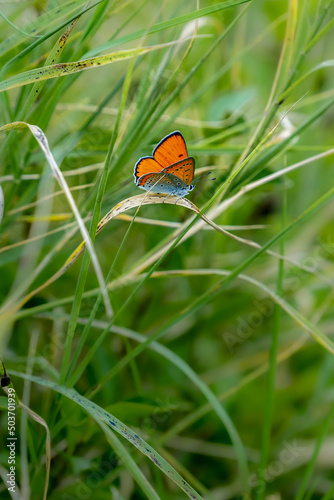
177	199
170	194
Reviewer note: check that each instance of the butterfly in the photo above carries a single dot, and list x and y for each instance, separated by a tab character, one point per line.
169	171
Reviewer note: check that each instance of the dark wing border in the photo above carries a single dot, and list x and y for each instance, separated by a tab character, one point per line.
176	132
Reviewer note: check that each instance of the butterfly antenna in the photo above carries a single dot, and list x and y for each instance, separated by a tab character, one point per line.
200	179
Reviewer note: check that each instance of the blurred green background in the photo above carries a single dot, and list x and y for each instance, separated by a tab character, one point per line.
251	82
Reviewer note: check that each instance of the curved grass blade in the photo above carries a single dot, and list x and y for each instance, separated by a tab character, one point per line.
43	143
101	415
94	223
129	462
42	422
16	28
150	198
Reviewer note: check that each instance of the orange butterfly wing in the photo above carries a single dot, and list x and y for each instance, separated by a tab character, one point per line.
183	169
168	156
170	149
146	165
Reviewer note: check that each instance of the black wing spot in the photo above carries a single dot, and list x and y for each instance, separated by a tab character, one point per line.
180	156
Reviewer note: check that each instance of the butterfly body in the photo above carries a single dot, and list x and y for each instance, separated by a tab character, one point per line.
169	171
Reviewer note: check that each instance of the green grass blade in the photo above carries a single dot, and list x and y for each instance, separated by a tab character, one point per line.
269	403
185	18
129	462
95	219
65	69
312	463
99	414
48	21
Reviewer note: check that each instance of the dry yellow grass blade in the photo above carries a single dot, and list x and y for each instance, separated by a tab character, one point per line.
128	204
221	207
148	199
44	145
42	422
